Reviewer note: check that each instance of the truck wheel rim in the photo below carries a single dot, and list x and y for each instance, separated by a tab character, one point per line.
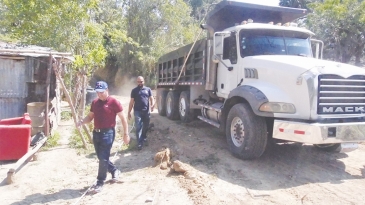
168	105
237	131
182	107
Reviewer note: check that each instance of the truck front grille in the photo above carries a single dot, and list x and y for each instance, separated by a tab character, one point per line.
339	95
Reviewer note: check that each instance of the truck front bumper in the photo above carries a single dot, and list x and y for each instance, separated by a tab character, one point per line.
319	133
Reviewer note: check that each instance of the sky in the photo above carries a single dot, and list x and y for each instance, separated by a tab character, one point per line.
265	2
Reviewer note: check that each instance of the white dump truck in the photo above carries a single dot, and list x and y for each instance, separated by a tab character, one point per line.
259	77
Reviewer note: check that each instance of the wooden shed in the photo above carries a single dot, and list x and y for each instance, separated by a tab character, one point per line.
29	83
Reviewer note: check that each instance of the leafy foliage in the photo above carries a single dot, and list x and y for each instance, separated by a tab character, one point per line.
199	8
341	25
297	3
52	141
61	25
126	37
150	28
66	115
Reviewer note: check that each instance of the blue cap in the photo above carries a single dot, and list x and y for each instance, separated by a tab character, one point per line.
101	86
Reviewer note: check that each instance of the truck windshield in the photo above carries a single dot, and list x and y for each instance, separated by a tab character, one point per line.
274	42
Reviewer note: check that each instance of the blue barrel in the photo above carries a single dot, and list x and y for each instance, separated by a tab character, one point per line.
90	95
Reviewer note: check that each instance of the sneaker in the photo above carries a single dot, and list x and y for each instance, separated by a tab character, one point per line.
145	142
97	188
139	146
115	175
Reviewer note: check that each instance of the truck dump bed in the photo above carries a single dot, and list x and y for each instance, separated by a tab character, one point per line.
170	65
228	13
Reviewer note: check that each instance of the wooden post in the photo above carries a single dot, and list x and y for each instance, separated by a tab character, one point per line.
74	115
48	83
83	97
83	102
88	134
11	172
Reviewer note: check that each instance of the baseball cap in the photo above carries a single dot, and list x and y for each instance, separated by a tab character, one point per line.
101	86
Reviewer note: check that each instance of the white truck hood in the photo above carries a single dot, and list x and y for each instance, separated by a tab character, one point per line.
291	79
303	64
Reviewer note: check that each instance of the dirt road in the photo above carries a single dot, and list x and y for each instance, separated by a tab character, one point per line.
286	174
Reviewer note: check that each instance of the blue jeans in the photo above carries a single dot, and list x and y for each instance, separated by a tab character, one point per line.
103	142
141	121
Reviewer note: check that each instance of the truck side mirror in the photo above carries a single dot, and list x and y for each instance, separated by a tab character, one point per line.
218	45
318	48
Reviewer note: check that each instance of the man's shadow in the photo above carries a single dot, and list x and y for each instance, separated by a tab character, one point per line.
65	194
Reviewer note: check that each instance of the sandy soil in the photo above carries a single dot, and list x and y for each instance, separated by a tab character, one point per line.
290	173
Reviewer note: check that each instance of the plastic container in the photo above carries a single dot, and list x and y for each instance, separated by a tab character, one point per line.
14	137
36	108
37	112
90	95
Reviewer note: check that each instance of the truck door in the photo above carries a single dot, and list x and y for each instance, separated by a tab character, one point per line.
227	73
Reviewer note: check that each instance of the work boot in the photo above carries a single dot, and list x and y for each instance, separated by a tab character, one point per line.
115	175
145	142
97	188
139	146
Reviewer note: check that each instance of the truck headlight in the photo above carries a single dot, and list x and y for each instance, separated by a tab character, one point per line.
278	107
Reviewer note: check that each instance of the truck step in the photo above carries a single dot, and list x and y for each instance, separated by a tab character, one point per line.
209	121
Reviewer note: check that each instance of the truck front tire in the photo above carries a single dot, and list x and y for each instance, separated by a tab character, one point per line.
161	102
246	132
172	105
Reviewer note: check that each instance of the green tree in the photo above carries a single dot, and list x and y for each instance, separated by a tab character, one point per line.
199	8
151	28
124	36
297	3
341	25
66	26
61	25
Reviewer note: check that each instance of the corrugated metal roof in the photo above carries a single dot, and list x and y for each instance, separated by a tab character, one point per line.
10	50
6	54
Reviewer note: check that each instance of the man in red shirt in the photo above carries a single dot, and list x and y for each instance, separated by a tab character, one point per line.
103	111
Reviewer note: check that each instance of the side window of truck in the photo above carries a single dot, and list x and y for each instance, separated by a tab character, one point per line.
230	49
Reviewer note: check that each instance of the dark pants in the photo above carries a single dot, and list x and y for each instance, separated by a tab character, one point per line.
141	121
103	142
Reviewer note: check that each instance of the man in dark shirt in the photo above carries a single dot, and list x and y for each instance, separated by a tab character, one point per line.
103	111
142	101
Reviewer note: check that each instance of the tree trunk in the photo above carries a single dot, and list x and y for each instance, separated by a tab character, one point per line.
359	53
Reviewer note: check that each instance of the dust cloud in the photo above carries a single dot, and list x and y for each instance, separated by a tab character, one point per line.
124	86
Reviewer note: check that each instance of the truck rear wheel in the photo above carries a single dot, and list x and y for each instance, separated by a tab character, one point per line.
172	105
186	114
161	102
246	133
